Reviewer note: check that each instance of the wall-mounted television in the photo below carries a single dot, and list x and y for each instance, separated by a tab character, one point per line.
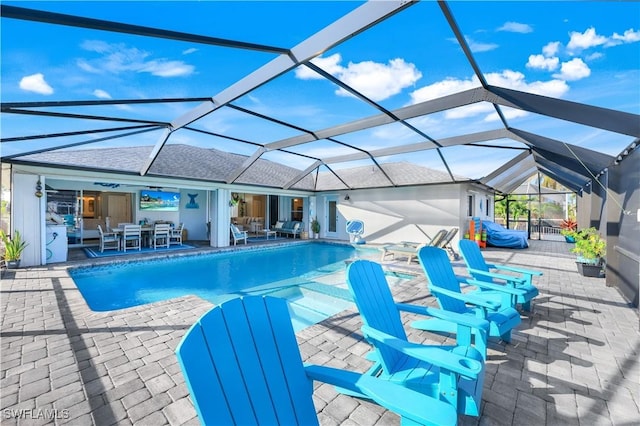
159	201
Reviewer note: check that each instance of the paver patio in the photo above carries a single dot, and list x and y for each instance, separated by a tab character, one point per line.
574	360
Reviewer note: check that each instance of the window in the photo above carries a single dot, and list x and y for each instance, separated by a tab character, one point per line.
296	209
470	205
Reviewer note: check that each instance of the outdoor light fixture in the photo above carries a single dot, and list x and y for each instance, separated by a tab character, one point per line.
38	189
347	198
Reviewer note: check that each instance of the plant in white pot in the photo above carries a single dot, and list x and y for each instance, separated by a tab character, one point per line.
315	227
13	248
591	249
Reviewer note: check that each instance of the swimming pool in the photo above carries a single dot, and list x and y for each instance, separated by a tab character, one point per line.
310	276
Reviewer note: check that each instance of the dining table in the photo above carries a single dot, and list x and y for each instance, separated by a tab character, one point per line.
145	237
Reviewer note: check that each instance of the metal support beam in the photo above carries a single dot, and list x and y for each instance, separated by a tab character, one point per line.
360	19
302	174
601	118
245	165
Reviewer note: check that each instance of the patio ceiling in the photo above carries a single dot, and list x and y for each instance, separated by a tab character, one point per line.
376	143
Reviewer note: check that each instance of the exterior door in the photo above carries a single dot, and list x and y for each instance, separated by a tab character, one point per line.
118	208
331	218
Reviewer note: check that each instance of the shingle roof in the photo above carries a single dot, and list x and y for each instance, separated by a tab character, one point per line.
212	165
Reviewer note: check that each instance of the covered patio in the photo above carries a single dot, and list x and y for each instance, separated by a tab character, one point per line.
573	360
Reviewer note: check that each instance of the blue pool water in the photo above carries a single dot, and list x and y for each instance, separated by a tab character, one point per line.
295	272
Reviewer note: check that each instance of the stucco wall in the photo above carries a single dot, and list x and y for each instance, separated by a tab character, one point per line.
405	214
27	212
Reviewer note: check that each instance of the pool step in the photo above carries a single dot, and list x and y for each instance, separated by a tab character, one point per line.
311	307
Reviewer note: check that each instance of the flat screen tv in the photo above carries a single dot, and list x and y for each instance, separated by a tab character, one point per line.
159	201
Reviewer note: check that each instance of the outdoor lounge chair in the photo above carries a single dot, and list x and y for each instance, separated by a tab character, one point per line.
238	235
242	365
409	249
445	243
481	271
454	374
445	286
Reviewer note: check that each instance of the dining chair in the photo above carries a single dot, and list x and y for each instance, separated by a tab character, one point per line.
108	240
175	237
161	234
132	234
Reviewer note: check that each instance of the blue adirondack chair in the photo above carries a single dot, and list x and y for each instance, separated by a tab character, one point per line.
445	286
482	271
242	366
454	374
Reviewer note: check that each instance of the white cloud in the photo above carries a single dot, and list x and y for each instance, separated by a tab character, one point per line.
36	83
516	27
330	64
476	46
164	68
551	49
516	80
581	41
629	36
594	56
575	69
508	79
375	80
442	88
543	63
189	51
99	93
118	58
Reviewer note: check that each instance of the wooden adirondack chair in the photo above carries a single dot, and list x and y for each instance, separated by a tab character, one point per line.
242	366
445	286
482	271
454	374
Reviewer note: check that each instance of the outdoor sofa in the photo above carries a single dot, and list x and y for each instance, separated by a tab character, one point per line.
289	227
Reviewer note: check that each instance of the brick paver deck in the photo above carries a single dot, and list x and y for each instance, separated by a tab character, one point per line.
574	360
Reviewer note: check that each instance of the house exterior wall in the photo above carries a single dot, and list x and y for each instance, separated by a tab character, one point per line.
27	217
391	215
193	215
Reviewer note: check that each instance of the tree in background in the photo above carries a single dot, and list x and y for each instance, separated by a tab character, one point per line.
518	207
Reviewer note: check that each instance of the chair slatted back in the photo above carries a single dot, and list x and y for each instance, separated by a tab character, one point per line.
242	365
437	239
447	238
132	231
236	231
161	229
370	290
440	274
473	259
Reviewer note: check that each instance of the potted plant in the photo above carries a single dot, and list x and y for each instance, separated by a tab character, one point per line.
315	227
13	248
591	249
568	229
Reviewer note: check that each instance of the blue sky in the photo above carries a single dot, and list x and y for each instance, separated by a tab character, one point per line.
586	52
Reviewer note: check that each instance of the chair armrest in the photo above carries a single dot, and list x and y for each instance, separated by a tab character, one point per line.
508	278
435	355
515	269
406	402
468	298
498	287
454	317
